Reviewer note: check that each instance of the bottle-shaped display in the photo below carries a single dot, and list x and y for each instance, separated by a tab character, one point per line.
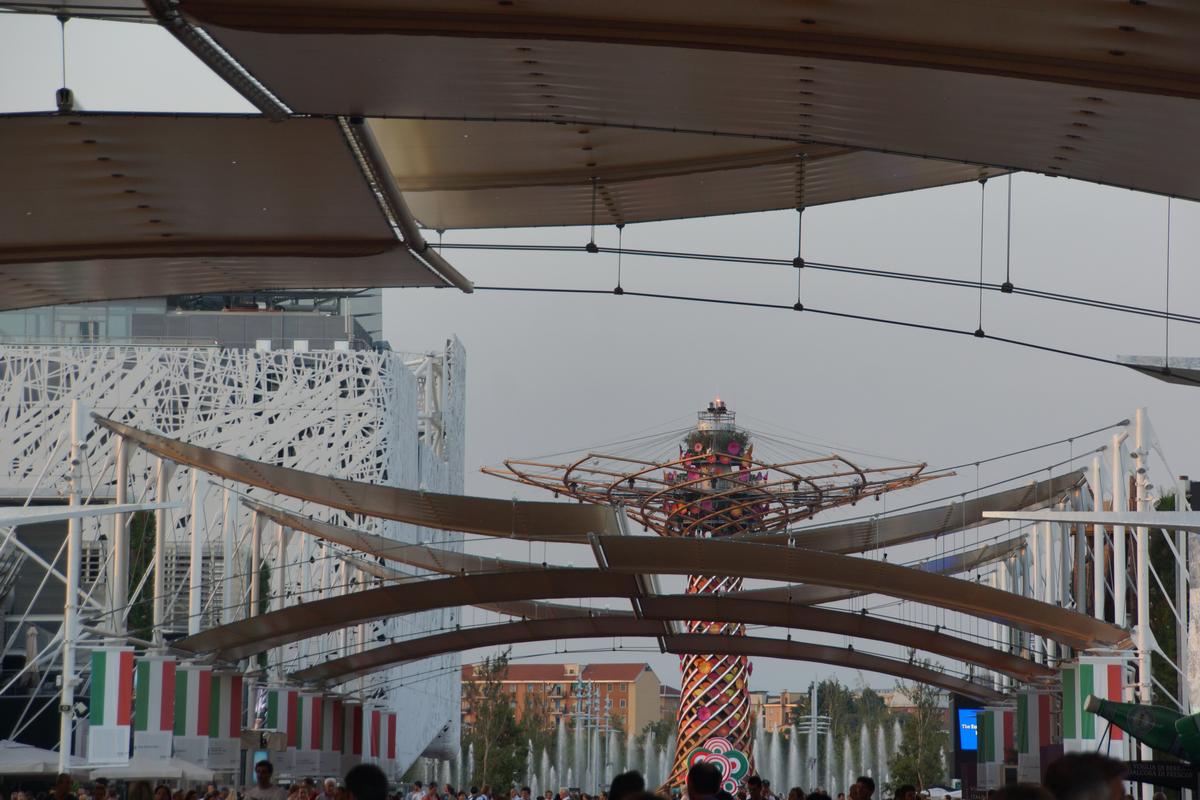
1152	725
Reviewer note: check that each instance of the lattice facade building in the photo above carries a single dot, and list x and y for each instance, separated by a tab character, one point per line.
380	417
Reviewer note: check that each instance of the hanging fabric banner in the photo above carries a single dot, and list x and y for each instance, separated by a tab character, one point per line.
154	706
996	725
389	751
282	715
1035	733
352	735
1104	677
331	736
193	707
375	724
110	713
309	725
225	722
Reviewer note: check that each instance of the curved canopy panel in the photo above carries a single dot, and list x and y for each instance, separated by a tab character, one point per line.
657	610
113	10
461	174
706	644
862	535
257	634
644	554
449	512
1071	88
112	206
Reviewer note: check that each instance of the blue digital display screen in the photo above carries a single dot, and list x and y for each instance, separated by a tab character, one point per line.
968	729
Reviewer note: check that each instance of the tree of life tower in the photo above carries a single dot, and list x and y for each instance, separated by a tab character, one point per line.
713	486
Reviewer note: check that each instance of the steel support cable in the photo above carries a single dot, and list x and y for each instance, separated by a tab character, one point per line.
861	271
837	314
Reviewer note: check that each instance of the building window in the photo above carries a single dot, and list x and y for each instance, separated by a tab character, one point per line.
622	702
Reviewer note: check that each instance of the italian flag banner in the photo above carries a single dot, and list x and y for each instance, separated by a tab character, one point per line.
1034	731
154	694
193	700
352	735
332	720
112	687
391	735
110	712
995	725
309	721
282	713
225	707
376	730
1104	677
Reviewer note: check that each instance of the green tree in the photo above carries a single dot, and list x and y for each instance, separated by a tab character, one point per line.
537	723
141	560
660	729
498	740
918	760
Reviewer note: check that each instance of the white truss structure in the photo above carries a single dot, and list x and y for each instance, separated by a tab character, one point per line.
376	417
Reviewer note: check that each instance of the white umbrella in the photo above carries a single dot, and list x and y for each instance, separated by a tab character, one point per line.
143	767
23	759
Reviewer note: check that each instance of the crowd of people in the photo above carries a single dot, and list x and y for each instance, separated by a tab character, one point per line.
1076	776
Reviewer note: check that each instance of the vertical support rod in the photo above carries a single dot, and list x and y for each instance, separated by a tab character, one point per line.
229	560
1080	588
1142	537
281	539
256	525
196	553
1182	657
161	490
71	605
1098	559
118	589
1120	566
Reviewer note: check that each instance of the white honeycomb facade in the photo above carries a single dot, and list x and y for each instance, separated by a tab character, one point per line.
353	414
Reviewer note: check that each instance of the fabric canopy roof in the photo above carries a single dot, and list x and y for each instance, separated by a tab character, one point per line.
1071	88
113	206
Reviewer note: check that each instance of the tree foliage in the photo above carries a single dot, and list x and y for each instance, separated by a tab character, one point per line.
141	560
919	760
499	742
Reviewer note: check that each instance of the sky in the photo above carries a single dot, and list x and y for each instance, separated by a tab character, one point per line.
549	373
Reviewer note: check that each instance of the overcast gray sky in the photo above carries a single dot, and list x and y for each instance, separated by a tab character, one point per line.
548	373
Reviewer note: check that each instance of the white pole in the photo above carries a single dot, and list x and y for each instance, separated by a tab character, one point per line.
256	525
1098	558
229	557
1182	485
281	537
196	555
1120	568
118	589
71	605
160	551
1080	588
1142	535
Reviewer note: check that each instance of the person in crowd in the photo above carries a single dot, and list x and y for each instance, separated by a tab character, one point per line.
754	788
141	790
863	788
818	794
192	794
263	788
418	791
448	792
906	791
704	781
162	792
1085	776
526	793
366	782
1023	791
767	793
626	784
795	793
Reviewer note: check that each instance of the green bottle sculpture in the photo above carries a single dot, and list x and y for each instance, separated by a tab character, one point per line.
1161	728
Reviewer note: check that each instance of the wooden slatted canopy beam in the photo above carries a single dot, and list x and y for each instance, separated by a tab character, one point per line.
484	515
668	608
644	554
258	634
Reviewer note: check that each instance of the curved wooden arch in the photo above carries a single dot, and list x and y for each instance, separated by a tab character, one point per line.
344	669
644	554
247	637
669	608
517	519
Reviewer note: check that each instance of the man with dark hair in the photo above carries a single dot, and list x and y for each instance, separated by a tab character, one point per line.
1085	776
625	784
754	787
416	793
366	782
906	792
703	780
263	789
863	788
526	793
